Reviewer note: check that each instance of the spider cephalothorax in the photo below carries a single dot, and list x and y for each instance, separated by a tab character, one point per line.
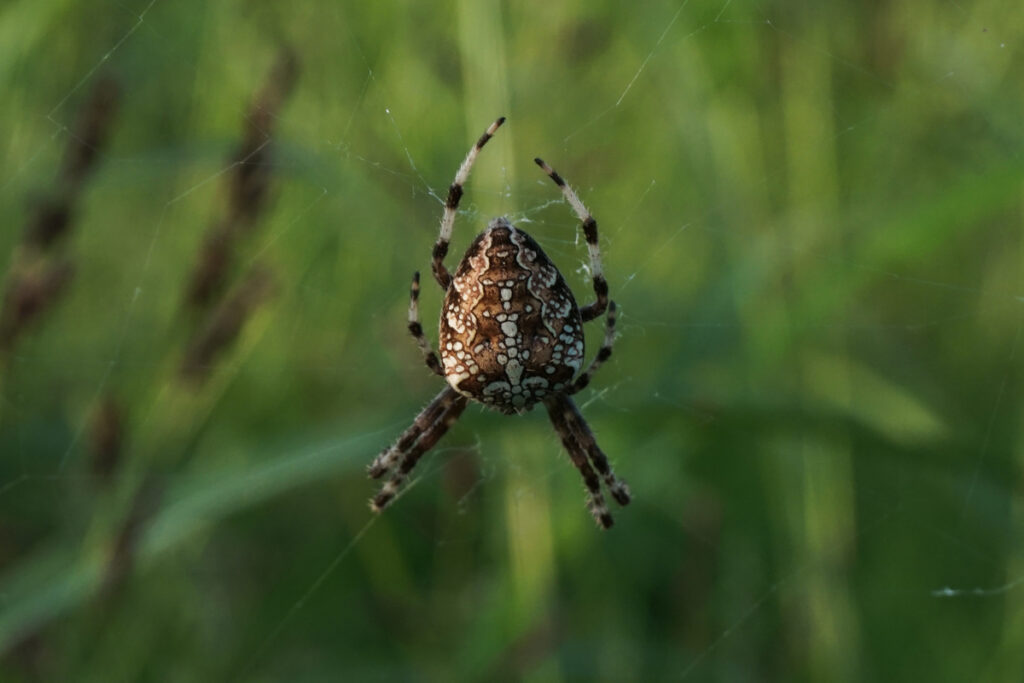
511	336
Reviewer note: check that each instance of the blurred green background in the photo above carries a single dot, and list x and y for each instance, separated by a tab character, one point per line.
811	220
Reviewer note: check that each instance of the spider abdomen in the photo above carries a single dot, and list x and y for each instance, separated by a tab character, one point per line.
510	331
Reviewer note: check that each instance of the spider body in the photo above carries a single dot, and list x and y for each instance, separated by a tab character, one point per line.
511	336
510	331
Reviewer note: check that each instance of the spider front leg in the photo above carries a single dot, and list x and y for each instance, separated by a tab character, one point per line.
452	405
416	329
451	206
590	311
603	354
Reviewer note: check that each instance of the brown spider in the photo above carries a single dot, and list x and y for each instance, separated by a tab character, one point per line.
511	336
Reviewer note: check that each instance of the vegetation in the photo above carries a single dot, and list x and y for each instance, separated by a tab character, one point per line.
811	223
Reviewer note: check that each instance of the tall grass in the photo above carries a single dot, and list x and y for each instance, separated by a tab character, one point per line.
811	222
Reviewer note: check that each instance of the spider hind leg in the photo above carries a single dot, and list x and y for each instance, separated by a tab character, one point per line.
578	454
428	428
424	421
581	430
573	421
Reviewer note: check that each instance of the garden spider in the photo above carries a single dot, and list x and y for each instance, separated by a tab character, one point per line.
511	336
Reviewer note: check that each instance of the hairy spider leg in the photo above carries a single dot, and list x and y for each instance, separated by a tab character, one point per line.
595	501
427	417
590	311
581	432
451	205
416	329
454	404
603	354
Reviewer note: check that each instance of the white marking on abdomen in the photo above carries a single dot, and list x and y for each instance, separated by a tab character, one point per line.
514	370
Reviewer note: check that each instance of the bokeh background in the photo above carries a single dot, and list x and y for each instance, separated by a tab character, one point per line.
811	219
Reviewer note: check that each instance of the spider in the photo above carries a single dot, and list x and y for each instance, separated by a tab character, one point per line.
511	336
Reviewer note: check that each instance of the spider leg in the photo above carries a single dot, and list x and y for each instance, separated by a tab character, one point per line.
417	329
454	404
424	421
581	431
595	503
590	311
451	205
603	354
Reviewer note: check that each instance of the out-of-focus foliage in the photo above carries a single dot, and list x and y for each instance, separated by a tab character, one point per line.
811	220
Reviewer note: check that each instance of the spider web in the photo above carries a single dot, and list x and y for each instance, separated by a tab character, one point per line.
813	350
